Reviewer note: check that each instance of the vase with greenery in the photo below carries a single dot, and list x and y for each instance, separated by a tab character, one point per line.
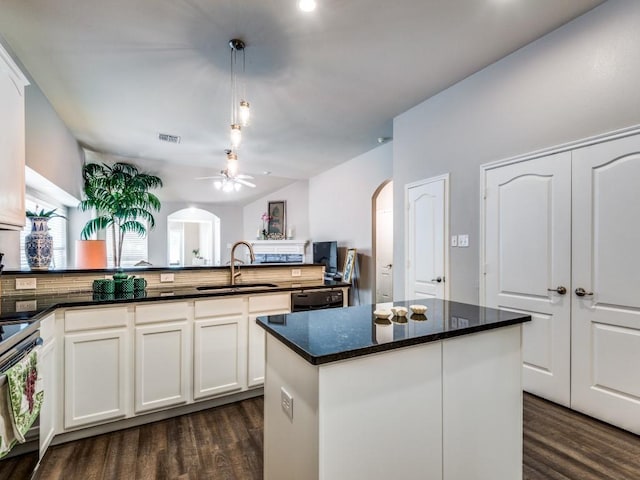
119	194
38	245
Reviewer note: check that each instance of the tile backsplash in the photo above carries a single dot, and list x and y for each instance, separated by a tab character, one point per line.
70	282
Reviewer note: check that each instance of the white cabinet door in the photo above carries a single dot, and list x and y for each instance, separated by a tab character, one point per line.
606	264
527	255
96	373
260	305
12	143
426	230
161	365
218	354
47	366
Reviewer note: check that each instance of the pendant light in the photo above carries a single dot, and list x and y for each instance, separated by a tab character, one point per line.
240	109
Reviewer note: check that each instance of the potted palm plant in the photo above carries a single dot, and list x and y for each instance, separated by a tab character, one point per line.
38	245
120	196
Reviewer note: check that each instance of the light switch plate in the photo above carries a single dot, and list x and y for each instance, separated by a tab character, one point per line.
26	283
454	240
287	403
463	240
166	277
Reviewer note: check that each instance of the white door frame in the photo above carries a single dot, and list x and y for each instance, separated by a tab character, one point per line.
445	233
484	168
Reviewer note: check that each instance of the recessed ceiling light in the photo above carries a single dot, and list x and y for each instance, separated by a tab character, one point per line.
266	172
307	5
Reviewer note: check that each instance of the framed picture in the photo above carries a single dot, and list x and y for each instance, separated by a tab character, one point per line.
277	218
349	262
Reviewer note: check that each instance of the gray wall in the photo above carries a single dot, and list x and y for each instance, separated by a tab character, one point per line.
341	208
575	82
230	229
297	197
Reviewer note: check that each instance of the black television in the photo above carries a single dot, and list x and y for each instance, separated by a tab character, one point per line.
326	253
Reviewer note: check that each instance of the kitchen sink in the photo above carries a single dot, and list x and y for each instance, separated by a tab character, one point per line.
238	287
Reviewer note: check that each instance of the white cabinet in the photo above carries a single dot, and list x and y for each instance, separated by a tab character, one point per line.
259	305
97	363
12	143
47	363
162	356
219	363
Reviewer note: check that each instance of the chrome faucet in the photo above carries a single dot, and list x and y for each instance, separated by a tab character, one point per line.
235	274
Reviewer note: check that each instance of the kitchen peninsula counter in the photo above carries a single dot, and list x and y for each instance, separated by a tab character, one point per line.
435	396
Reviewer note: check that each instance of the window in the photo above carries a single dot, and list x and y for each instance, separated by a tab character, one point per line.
57	230
134	249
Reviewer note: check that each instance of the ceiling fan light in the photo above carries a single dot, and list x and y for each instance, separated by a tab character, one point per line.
236	135
244	112
307	5
237	186
217	184
227	187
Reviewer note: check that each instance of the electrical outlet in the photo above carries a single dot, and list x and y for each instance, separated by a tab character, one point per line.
454	240
26	284
287	403
26	305
166	277
463	240
296	272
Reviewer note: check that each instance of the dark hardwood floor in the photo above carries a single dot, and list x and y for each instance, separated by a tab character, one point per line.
226	443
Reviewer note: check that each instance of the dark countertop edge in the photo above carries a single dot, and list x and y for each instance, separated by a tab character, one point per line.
383	347
155	269
183	296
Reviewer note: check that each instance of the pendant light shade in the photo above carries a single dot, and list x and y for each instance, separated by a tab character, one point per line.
236	135
244	113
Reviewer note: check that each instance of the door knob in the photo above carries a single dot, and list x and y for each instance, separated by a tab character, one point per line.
437	279
389	266
581	292
560	290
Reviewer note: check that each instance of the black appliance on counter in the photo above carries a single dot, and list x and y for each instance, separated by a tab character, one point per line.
326	253
310	300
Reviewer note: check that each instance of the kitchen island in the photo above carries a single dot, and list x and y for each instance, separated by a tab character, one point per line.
434	396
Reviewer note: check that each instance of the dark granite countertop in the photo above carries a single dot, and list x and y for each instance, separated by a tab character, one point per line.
324	336
34	306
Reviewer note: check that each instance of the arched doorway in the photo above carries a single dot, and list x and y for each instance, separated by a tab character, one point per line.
193	238
382	241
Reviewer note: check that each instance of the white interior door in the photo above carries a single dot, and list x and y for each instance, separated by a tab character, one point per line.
426	231
384	255
527	256
606	264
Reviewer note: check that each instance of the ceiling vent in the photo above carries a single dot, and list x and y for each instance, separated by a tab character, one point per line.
164	137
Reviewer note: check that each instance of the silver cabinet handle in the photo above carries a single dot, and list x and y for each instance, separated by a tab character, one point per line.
581	292
560	290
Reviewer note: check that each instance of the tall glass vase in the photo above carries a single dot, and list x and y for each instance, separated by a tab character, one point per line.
38	245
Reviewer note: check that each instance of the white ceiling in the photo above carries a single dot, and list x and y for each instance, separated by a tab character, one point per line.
323	86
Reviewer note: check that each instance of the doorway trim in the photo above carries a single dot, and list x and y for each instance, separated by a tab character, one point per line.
447	276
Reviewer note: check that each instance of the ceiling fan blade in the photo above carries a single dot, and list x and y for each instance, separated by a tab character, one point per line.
246	177
209	178
244	182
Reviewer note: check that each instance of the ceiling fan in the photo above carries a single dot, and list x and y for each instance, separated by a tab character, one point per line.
227	182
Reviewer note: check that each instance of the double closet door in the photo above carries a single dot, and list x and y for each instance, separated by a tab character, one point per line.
562	243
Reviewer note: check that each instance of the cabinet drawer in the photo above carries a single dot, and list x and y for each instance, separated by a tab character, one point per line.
94	318
162	312
219	307
270	302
